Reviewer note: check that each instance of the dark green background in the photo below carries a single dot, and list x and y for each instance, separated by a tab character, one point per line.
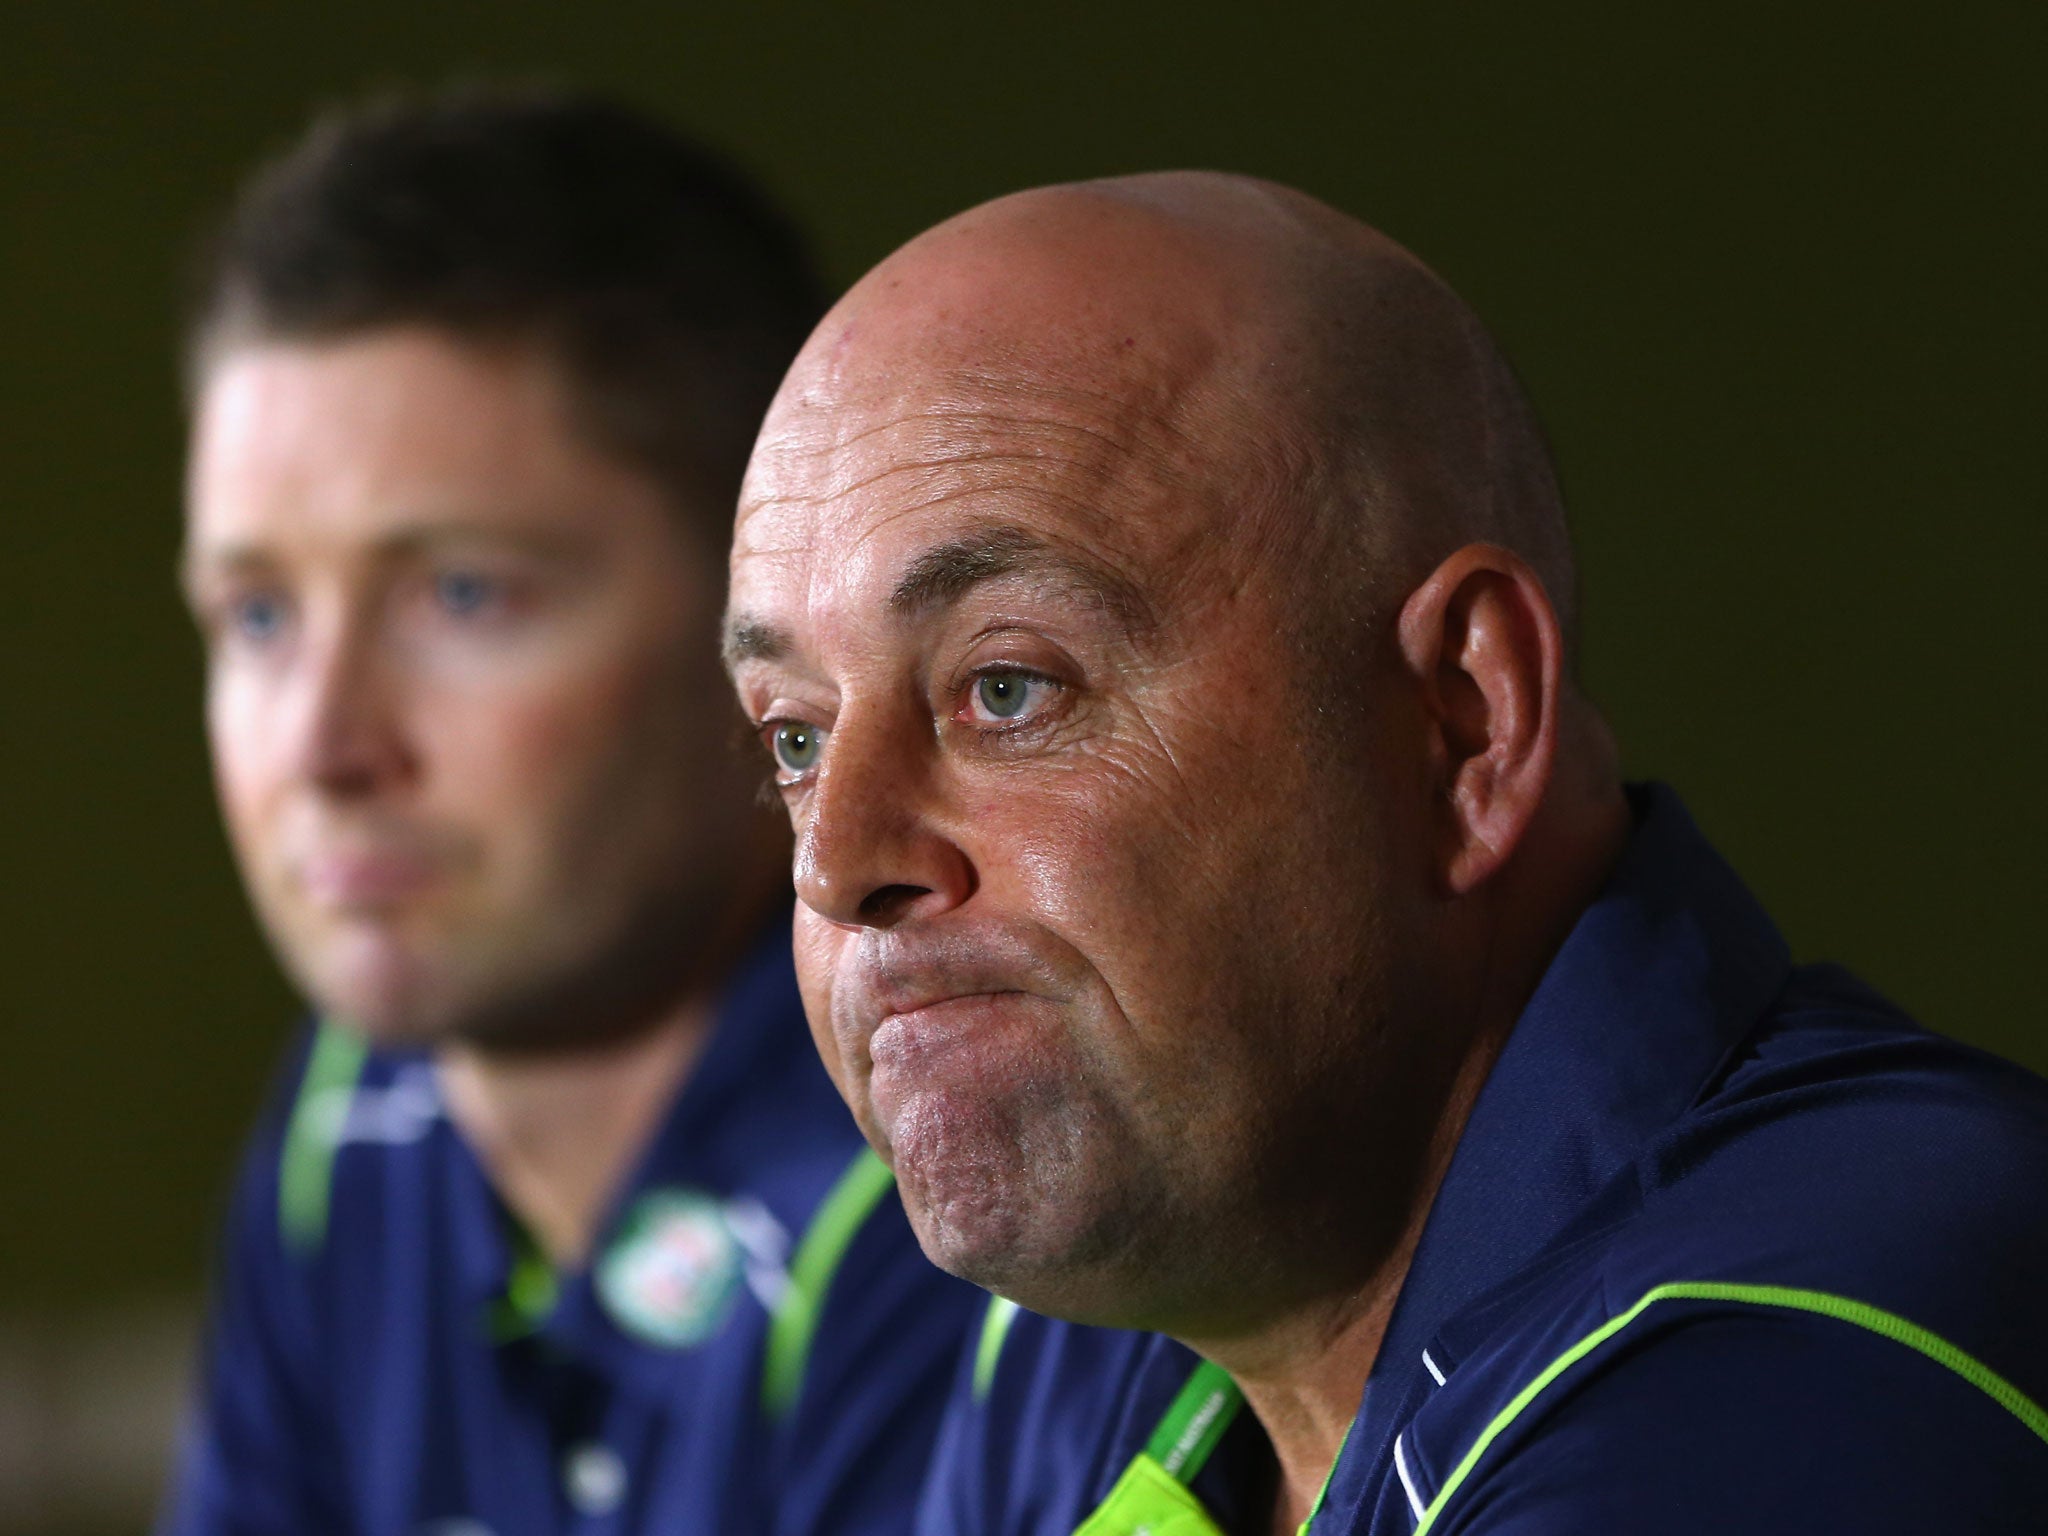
1772	275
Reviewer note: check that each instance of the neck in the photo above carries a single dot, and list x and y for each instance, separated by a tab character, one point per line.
1302	1373
1306	1395
558	1132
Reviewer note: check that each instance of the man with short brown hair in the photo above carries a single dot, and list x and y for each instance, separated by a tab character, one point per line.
555	1225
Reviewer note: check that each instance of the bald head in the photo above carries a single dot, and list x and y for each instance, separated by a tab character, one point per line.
1336	404
1148	594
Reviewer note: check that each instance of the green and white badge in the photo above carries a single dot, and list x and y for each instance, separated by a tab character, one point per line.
673	1271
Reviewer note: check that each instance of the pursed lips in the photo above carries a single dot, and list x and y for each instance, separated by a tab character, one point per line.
937	1012
962	1047
359	879
907	998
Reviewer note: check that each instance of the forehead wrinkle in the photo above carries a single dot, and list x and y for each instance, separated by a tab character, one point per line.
949	441
1127	407
1067	518
860	500
831	534
946	572
1124	451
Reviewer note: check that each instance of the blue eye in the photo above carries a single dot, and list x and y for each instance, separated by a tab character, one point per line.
796	746
465	592
257	617
1003	695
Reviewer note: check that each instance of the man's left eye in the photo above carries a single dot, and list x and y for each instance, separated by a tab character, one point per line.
1007	694
466	592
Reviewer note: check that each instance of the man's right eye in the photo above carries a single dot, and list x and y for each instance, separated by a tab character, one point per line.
256	617
796	746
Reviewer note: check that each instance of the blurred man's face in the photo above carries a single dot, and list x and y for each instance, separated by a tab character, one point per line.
1093	909
467	727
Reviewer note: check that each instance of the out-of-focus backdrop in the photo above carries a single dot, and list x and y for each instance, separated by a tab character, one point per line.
1773	273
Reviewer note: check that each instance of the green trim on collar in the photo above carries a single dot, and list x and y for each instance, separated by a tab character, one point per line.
988	1349
305	1173
1195	1422
839	1217
531	1290
1323	1493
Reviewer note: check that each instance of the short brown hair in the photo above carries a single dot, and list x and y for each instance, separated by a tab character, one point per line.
665	285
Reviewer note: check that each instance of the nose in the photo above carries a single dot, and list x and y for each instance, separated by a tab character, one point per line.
872	845
348	738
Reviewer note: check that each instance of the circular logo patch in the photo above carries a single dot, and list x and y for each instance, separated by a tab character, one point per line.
671	1274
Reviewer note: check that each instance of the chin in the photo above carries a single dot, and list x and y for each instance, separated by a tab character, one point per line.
1014	1212
1074	1271
376	990
388	1022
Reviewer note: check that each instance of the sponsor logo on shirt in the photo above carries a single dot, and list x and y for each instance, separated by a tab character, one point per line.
671	1275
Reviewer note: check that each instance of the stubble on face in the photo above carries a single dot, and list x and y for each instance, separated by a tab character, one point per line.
501	825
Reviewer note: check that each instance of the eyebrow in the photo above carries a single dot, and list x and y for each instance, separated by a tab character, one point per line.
406	542
194	561
197	569
947	572
749	639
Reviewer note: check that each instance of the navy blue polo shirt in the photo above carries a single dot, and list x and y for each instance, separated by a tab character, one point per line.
1727	1244
757	1347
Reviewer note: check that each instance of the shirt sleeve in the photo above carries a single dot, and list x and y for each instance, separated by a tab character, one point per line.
249	1456
853	1449
1759	1423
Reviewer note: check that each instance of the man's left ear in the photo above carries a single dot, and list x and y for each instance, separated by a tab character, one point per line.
1483	643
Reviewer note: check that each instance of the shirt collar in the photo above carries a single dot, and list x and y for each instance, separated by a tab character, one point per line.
759	1019
1659	979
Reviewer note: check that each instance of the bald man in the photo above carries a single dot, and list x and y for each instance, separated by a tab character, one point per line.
1222	908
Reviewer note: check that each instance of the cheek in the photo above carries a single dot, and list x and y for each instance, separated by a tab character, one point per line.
1073	864
570	753
1109	853
818	947
249	762
1161	886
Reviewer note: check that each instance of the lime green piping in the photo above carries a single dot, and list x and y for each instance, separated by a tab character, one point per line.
988	1349
1887	1324
839	1216
1195	1422
1323	1492
531	1291
306	1167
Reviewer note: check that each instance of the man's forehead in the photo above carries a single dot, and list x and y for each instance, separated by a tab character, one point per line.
1016	377
918	505
823	443
1112	505
398	436
1091	436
